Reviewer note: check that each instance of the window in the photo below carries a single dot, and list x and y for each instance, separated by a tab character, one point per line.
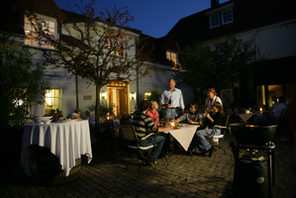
147	94
116	44
227	16
53	99
221	17
172	56
215	20
35	30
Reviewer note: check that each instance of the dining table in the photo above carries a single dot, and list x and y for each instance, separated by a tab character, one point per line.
66	139
183	135
245	116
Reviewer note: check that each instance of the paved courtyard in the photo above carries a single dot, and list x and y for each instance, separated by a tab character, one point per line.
185	176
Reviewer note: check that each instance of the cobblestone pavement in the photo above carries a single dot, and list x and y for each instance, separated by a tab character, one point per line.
185	176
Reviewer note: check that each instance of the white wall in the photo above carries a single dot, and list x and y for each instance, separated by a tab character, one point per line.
275	41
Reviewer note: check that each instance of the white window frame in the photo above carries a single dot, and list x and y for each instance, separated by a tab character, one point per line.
222	16
172	56
28	28
48	99
216	14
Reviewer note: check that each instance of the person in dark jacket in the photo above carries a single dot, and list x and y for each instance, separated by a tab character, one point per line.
212	121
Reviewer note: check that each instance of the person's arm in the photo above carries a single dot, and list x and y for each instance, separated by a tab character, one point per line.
207	115
181	118
162	101
150	124
182	102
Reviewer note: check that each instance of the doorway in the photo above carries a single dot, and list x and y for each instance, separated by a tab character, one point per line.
265	93
118	97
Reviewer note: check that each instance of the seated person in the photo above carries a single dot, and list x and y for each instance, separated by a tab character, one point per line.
153	113
192	117
75	115
89	117
146	131
216	117
279	107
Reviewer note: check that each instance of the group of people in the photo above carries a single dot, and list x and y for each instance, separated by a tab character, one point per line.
147	123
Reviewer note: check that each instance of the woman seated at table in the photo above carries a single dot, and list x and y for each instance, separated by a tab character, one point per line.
192	117
146	131
212	120
153	113
75	115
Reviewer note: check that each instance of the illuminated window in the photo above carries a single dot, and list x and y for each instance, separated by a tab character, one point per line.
35	30
116	44
53	99
172	56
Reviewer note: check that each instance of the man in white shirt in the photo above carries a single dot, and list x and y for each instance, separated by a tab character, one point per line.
172	100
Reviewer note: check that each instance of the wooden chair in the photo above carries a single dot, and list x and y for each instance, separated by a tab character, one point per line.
131	142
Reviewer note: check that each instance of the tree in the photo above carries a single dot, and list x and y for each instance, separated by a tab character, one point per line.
21	83
216	65
98	48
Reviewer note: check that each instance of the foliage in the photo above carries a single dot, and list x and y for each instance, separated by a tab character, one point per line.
98	48
56	112
216	65
21	82
155	95
105	108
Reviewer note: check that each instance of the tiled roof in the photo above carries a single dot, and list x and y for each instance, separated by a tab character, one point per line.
248	14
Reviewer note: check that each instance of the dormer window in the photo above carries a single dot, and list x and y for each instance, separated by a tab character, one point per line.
221	16
215	20
172	56
116	44
227	16
37	29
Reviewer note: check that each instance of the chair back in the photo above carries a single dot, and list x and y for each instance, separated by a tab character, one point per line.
127	133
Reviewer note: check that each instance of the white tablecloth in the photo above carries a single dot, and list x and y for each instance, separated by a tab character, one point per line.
183	135
245	116
67	140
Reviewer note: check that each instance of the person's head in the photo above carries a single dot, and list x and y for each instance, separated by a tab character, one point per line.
274	99
172	83
87	113
143	105
193	108
77	111
217	107
211	93
154	105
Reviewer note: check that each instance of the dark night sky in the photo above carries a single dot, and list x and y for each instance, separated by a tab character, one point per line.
152	17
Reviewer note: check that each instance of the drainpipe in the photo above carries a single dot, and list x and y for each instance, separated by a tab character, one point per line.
137	86
76	77
76	86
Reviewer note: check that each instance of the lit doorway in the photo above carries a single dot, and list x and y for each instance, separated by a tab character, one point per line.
266	92
118	97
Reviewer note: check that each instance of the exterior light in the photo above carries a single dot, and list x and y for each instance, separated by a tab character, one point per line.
133	95
103	95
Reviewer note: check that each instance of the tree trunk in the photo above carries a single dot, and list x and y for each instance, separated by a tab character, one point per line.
97	110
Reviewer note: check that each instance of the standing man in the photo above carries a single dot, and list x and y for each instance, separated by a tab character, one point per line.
211	99
172	100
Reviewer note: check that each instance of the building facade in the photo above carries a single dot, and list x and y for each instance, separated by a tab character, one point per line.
66	92
270	24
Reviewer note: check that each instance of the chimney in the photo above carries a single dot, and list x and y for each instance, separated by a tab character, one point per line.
214	3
